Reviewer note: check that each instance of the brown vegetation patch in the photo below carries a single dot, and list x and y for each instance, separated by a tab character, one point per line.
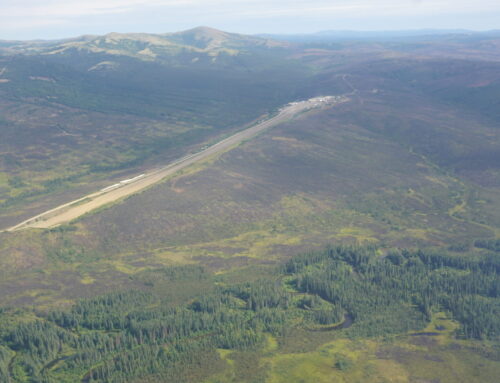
219	263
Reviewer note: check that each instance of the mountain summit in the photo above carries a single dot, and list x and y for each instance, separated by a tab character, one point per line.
202	37
210	38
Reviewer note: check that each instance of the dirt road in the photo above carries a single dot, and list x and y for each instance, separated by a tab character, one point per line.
74	209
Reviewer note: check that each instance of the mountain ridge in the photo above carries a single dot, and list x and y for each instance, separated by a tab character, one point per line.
199	39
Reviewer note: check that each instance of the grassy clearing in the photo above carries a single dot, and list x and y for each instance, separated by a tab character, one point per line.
402	359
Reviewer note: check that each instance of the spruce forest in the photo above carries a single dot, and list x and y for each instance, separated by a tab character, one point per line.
344	291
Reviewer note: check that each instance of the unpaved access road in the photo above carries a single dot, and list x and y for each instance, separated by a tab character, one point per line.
74	209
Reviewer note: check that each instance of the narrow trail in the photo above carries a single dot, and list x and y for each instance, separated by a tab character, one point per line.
354	91
74	209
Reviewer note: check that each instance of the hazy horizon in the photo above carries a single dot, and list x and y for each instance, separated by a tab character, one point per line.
56	19
393	32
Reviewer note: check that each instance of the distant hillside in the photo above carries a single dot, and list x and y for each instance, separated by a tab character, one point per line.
97	105
401	35
197	41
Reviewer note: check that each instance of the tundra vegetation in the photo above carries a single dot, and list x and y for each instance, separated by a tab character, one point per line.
354	243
